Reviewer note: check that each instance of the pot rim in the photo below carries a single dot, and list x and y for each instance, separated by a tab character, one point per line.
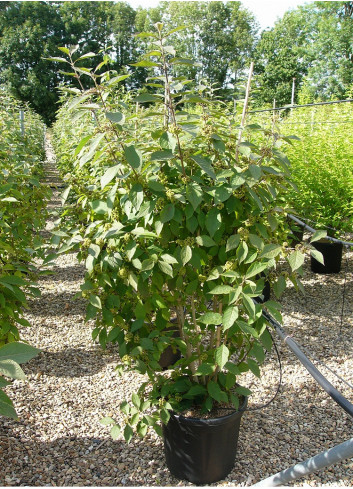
326	241
213	421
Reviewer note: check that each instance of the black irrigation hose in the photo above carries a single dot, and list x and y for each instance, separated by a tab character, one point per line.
312	230
314	372
257	408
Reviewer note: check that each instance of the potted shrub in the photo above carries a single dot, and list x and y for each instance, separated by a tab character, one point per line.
187	222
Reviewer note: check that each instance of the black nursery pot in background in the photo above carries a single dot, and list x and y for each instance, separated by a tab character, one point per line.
170	354
202	451
332	253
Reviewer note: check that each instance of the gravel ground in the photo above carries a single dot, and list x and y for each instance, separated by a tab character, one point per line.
72	384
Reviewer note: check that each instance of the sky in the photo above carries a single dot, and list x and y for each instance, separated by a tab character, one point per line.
265	11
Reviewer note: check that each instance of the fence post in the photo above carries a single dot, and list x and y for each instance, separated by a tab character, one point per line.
293	90
22	122
245	108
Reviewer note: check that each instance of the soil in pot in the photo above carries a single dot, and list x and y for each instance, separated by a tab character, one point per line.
332	253
202	451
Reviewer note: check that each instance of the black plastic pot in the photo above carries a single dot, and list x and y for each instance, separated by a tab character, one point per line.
202	451
296	235
332	253
266	292
170	356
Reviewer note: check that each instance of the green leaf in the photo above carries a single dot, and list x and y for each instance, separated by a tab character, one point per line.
274	309
205	369
253	367
136	401
143	233
147	343
221	289
165	416
221	356
230	315
128	433
107	421
242	251
185	255
147	97
11	369
318	256
270	251
243	391
256	241
296	260
147	264
255	269
57	59
194	195
205	240
99	207
280	286
234	369
213	221
168	258
249	305
12	280
133	157
95	301
18	352
136	195
162	155
6	406
321	233
205	164
115	431
266	339
167	213
214	391
168	141
117	117
232	242
94	250
211	318
166	268
195	391
109	175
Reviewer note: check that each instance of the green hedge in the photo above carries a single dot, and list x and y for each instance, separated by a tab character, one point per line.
22	213
321	162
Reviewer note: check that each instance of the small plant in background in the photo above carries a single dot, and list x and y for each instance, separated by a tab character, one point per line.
177	223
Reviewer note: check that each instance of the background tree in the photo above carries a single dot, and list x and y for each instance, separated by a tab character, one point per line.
282	54
30	31
220	36
312	43
330	74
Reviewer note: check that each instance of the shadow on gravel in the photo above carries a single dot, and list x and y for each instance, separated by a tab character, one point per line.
57	304
83	461
71	362
64	274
